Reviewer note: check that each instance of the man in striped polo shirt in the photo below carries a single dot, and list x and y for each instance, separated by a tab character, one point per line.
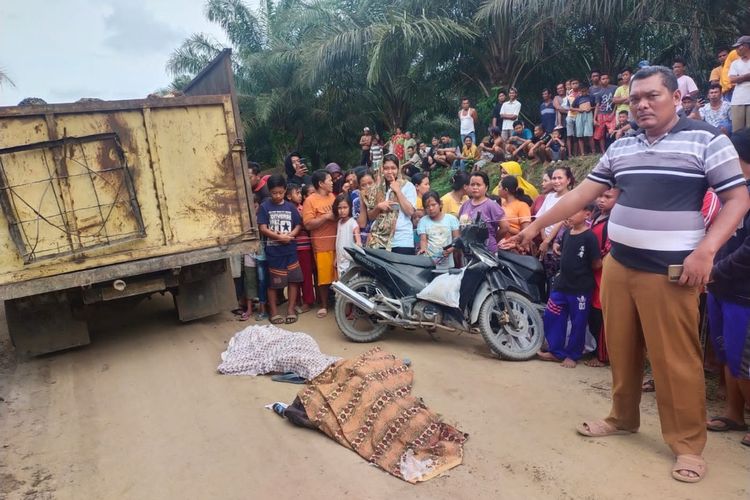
663	173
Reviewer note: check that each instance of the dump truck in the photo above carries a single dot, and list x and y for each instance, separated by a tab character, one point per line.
105	200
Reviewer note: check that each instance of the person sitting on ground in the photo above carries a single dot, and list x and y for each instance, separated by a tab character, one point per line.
453	199
623	126
689	108
555	147
537	149
446	154
604	205
469	153
717	111
413	163
518	141
320	221
570	298
728	306
495	146
436	231
279	221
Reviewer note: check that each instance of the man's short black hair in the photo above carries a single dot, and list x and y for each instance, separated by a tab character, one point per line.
595	71
741	142
667	76
714	86
276	181
253	167
517	123
623	112
626	68
583	85
679	59
319	176
502	91
723	48
589	207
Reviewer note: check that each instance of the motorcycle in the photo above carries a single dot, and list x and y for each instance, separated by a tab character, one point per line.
498	297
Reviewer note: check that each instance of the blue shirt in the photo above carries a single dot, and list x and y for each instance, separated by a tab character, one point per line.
281	219
548	116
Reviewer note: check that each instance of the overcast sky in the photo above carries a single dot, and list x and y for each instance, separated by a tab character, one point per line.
62	50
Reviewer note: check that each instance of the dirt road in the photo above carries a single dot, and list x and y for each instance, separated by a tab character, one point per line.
141	413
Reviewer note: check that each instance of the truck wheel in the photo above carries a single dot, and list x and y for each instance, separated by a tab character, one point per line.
354	323
515	344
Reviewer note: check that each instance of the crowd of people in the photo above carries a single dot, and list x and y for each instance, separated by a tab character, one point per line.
661	146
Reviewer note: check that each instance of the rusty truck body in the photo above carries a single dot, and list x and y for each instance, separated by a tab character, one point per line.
113	199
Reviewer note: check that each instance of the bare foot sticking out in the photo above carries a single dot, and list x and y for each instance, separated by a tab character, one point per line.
594	363
547	356
568	363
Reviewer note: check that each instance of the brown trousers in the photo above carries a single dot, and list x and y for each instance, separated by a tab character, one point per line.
645	310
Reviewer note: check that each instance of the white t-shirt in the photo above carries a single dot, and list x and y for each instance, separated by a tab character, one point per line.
741	95
467	121
510	108
549	201
685	85
344	239
404	236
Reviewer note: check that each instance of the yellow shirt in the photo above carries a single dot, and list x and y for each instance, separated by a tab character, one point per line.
471	153
419	205
715	74
622	91
726	85
449	204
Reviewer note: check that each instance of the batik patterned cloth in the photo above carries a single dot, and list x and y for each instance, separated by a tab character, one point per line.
365	404
260	349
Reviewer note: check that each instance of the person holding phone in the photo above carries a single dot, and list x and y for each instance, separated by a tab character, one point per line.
296	170
651	228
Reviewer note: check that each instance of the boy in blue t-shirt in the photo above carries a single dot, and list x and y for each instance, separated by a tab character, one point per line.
517	139
584	106
571	292
279	221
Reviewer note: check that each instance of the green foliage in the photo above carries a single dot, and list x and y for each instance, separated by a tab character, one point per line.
312	73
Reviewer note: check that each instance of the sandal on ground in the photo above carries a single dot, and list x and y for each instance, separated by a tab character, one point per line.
746	440
727	424
289	378
690	463
648	385
277	319
244	316
261	316
302	309
238	311
290	318
599	428
322	312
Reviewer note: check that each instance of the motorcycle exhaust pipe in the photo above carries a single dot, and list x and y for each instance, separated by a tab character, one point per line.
363	303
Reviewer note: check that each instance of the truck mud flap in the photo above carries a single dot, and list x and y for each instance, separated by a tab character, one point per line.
44	323
204	290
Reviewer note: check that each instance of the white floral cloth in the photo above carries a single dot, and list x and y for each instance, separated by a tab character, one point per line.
265	349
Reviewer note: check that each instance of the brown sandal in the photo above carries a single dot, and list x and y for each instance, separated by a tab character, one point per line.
277	319
599	428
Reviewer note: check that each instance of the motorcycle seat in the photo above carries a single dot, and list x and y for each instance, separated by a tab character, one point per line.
524	261
397	258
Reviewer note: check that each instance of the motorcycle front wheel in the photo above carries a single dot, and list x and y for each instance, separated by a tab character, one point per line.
518	344
354	323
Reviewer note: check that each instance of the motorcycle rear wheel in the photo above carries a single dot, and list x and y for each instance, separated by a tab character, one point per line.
354	323
501	337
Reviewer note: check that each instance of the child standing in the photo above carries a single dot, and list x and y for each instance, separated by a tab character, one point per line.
436	231
571	292
304	254
347	233
256	276
280	222
583	105
604	205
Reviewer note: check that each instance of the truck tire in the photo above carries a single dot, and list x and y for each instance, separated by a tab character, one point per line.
503	340
348	316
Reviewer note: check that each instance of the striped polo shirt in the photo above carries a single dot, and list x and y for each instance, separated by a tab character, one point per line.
657	220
